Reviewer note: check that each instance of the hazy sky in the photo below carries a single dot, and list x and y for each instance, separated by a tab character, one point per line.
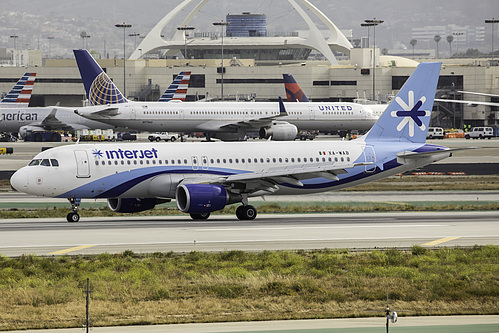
98	17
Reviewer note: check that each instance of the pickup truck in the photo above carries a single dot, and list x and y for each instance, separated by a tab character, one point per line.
162	136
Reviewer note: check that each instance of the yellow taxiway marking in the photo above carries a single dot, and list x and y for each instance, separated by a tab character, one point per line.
391	202
440	241
72	249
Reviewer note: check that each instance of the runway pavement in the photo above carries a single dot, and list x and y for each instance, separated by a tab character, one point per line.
55	236
443	324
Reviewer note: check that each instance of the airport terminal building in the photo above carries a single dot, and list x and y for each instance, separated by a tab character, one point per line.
253	64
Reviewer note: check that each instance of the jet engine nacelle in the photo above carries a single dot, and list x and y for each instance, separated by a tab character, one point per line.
24	129
131	205
201	198
279	131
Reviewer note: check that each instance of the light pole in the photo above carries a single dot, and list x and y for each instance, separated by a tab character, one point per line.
124	26
457	34
134	35
222	24
14	60
84	37
49	38
373	23
368	34
185	29
492	22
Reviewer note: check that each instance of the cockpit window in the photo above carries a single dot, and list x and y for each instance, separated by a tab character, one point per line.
44	162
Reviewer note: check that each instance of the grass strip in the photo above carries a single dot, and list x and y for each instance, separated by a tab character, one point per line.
101	210
162	288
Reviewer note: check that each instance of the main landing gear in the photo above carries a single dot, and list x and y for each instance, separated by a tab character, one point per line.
200	216
246	212
74	217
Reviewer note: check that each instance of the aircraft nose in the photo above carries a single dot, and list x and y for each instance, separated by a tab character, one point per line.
19	180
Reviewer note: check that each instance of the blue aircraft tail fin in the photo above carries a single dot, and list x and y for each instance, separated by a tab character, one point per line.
408	116
178	89
20	94
98	86
294	93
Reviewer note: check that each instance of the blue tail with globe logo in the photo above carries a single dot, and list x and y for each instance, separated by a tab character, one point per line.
407	117
98	86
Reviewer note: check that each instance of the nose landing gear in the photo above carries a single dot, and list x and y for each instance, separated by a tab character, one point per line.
74	217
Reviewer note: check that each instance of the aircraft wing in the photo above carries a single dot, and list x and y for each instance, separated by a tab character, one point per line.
50	122
477	93
470	103
268	180
253	123
99	110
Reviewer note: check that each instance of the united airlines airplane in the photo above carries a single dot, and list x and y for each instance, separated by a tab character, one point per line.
204	178
225	120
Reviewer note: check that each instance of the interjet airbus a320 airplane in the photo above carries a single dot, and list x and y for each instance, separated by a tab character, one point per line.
204	178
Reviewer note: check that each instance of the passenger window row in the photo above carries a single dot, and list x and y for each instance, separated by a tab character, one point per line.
219	161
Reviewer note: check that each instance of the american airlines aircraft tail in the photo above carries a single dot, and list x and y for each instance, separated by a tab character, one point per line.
294	93
178	89
204	178
20	94
99	87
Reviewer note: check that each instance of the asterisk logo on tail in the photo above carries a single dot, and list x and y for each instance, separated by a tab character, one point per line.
411	113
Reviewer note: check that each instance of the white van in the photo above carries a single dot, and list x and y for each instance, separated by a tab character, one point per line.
480	133
435	133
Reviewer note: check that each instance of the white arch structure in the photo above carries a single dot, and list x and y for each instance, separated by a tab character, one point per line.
315	40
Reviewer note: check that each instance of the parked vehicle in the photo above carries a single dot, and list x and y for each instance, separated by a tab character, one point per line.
480	133
435	133
305	135
163	136
42	136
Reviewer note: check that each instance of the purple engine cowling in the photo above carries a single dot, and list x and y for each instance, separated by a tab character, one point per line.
201	198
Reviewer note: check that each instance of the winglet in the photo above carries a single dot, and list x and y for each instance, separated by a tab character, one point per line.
408	116
294	93
98	86
282	109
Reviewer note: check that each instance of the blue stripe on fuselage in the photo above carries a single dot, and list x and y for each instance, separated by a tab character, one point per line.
116	184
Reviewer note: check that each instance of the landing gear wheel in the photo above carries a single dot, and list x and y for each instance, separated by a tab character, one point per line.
73	217
200	216
246	212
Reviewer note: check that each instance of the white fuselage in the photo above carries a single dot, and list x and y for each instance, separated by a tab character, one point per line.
12	119
147	170
230	117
